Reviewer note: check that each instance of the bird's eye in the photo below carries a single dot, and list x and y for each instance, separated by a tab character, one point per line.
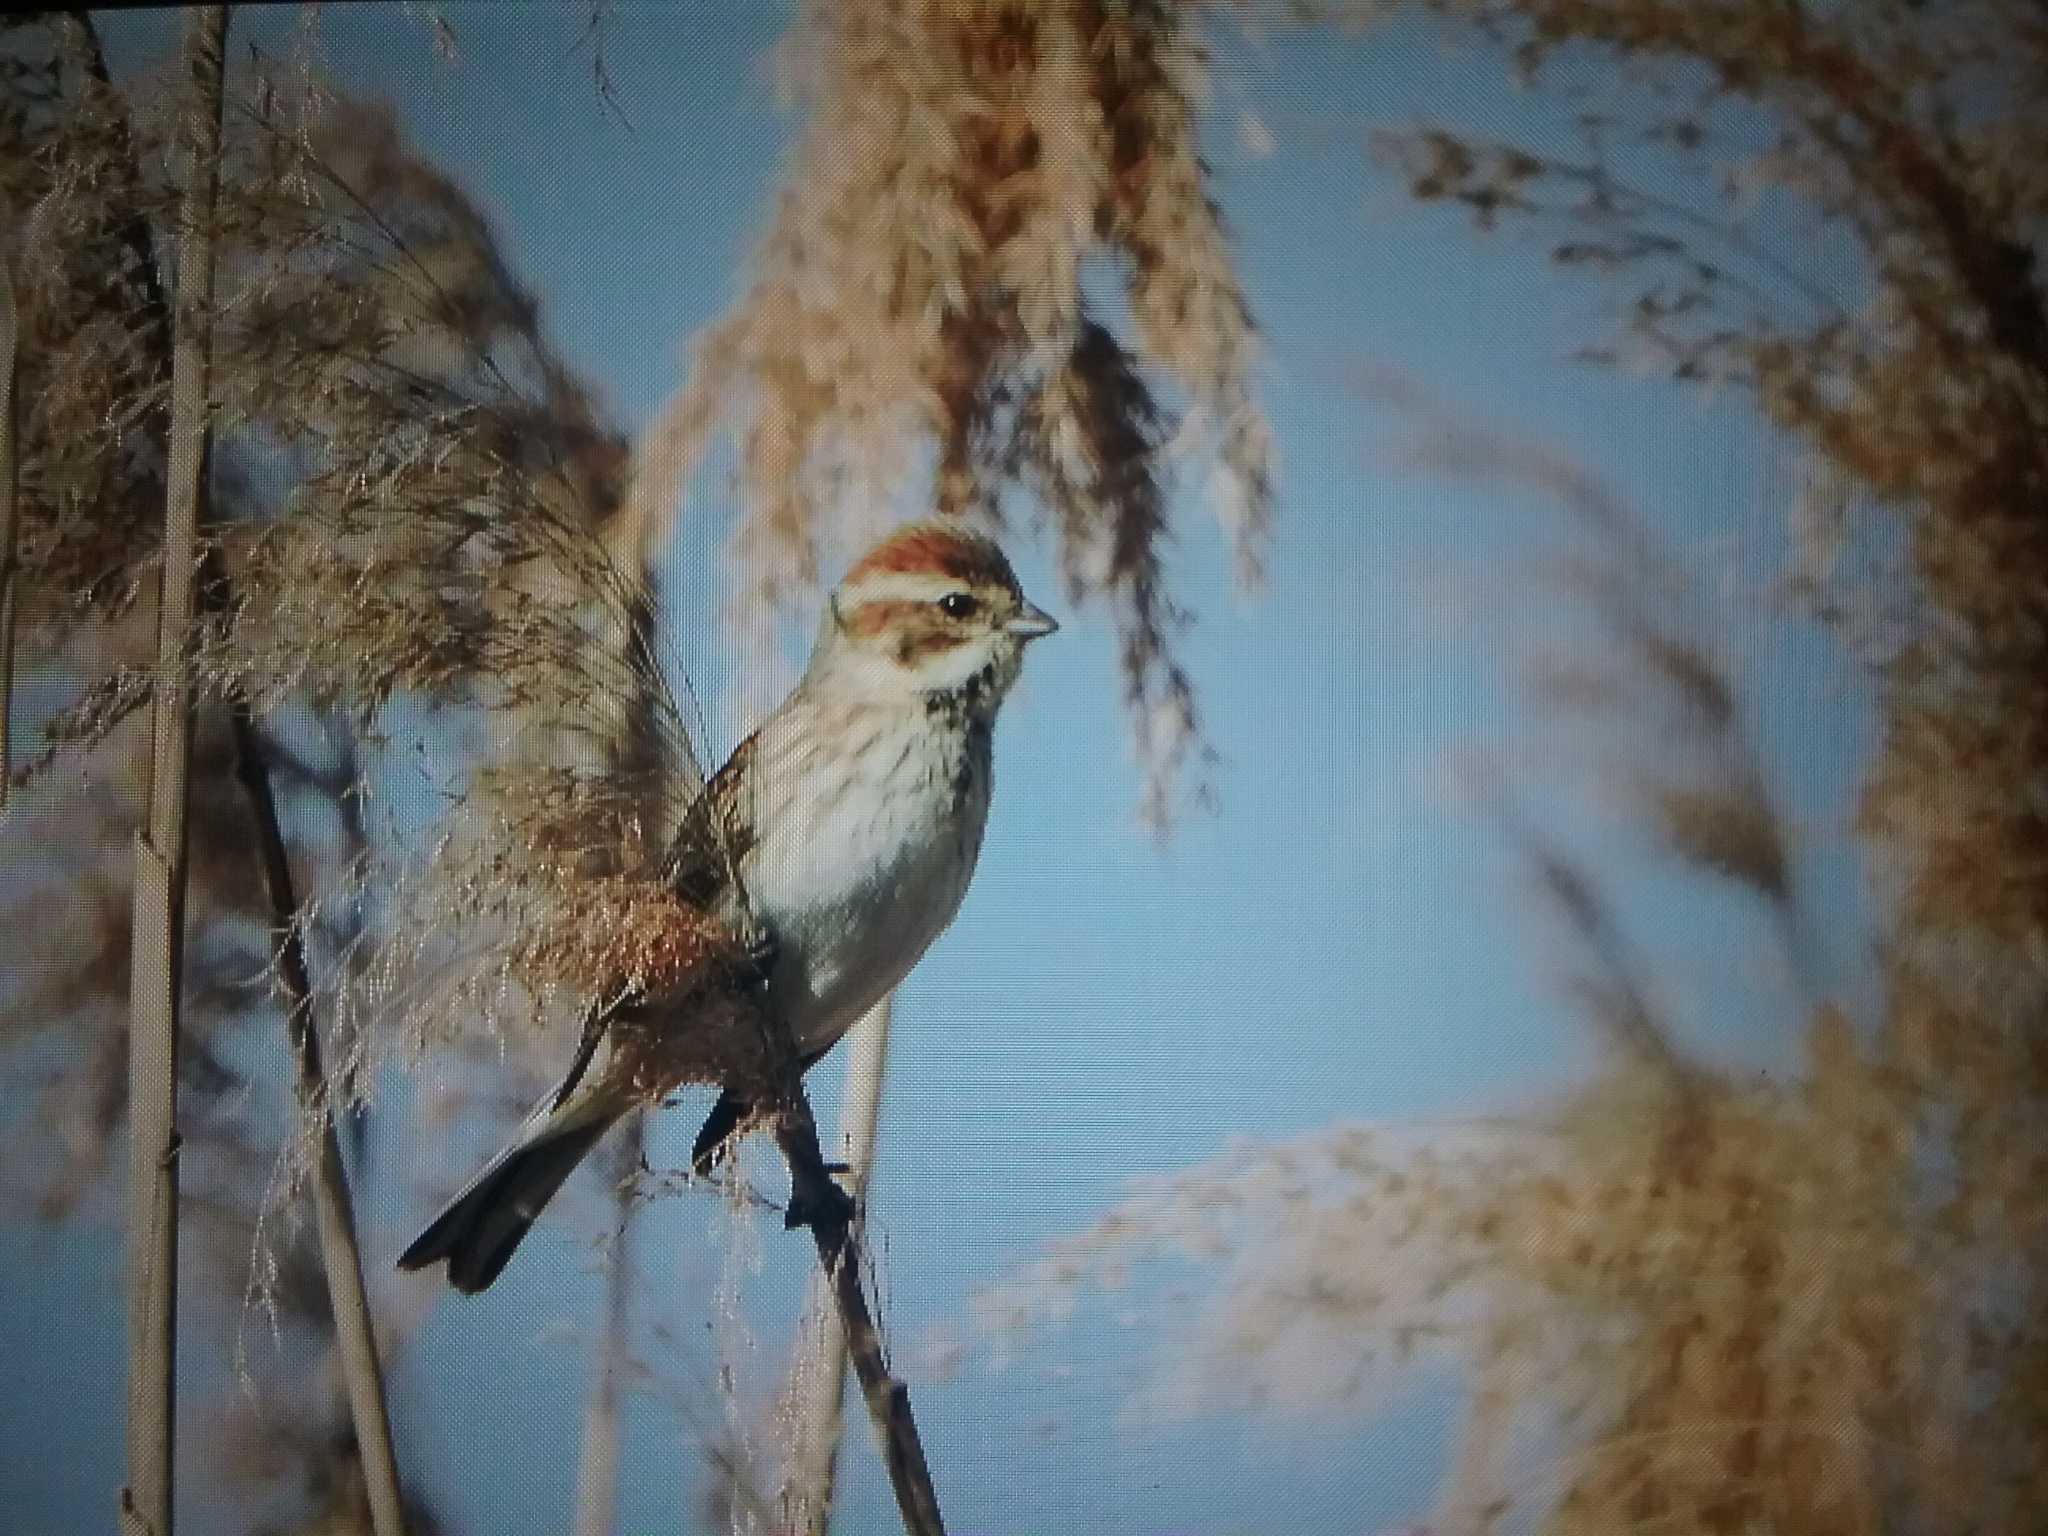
957	605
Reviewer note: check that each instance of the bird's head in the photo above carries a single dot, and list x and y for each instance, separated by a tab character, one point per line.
933	610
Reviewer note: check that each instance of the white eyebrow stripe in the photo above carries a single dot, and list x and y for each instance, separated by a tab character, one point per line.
902	586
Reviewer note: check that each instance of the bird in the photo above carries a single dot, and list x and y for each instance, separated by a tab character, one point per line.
847	827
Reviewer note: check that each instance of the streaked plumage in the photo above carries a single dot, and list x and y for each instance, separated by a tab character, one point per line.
853	817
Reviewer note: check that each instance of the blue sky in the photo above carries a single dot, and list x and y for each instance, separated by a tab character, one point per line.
1342	939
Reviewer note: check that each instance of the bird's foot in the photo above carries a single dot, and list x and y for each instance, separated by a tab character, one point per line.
813	1202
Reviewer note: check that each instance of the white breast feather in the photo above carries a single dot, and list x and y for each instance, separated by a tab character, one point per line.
857	881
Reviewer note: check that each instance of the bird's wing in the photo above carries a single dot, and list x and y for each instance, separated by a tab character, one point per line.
700	867
715	835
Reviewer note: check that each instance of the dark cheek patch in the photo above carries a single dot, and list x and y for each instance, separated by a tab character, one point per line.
922	644
916	630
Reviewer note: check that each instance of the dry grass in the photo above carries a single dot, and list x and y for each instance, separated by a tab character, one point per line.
411	493
920	290
1678	1299
1681	1301
1924	402
416	506
1662	1299
410	500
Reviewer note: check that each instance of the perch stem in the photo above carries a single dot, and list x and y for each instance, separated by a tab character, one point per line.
835	1228
354	1328
839	1254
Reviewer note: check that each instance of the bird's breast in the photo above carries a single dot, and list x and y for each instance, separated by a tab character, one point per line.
864	853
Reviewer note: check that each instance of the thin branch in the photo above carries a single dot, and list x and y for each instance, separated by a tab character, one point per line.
160	864
593	36
815	1201
823	1375
818	1203
597	1473
354	1328
829	1215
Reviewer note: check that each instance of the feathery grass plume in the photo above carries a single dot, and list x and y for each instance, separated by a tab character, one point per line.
1676	1298
921	288
372	344
1903	132
1652	1329
96	360
91	321
463	561
136	187
1706	801
445	543
1918	380
921	283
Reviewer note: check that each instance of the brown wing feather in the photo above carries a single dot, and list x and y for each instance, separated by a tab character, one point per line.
715	834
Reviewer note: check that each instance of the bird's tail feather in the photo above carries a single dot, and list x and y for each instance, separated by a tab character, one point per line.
478	1230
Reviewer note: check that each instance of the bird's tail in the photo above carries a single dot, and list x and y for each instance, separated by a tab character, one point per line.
478	1230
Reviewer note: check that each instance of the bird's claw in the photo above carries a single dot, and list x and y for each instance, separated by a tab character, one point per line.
811	1204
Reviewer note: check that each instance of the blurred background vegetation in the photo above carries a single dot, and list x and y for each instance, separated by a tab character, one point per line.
994	278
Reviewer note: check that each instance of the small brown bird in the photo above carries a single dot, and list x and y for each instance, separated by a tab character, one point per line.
852	818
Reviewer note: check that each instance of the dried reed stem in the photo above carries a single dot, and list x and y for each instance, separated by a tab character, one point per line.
829	1215
839	1254
160	864
824	1379
354	1328
597	1474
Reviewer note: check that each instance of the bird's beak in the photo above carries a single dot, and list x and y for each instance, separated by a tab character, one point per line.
1030	622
